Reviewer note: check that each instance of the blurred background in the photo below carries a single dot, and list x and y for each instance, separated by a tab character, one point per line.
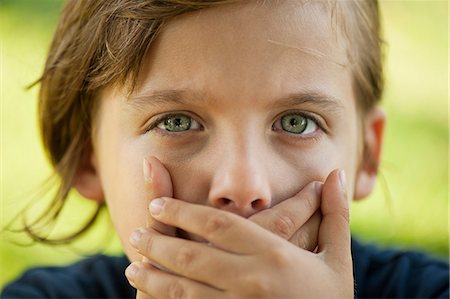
409	208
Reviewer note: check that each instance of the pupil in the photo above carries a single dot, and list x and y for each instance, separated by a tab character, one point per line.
294	122
177	122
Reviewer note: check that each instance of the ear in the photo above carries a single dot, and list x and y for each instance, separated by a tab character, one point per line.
87	181
373	138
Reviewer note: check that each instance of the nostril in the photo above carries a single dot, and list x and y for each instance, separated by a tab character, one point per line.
224	201
255	205
258	204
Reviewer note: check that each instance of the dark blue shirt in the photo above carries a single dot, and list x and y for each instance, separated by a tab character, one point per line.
378	274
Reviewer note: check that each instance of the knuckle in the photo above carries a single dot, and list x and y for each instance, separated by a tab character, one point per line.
283	226
311	203
147	245
176	290
216	224
184	258
279	257
345	213
256	285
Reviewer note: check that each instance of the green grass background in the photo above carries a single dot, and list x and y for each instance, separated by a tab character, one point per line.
409	207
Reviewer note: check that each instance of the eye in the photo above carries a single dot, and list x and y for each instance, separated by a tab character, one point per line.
296	123
177	123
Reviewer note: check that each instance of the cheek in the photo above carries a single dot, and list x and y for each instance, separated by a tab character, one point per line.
124	189
299	167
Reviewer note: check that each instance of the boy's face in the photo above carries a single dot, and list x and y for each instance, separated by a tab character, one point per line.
261	98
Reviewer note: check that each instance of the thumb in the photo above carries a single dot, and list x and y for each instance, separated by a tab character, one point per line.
158	184
334	231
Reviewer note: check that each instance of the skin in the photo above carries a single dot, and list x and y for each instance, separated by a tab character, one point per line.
231	69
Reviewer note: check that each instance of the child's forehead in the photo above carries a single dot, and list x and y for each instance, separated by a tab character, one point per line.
247	51
251	34
289	24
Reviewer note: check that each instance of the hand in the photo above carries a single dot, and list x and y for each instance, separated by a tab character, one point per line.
286	219
242	260
291	219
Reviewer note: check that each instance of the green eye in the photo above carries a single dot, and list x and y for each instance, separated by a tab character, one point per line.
176	123
296	123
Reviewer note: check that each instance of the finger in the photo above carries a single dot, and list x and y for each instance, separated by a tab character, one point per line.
223	229
193	260
334	231
158	184
306	236
142	295
159	284
287	217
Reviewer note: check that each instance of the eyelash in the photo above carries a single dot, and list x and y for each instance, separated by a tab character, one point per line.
154	124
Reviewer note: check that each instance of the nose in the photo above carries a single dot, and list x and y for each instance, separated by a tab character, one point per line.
240	183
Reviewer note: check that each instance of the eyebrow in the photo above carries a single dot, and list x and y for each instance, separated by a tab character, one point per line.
188	97
163	97
311	98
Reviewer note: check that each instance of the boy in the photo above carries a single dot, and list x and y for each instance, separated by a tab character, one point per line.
240	113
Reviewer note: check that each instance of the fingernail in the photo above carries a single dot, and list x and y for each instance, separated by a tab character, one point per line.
342	180
318	186
136	236
156	206
147	167
131	271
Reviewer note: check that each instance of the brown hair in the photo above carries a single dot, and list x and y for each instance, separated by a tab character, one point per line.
99	42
